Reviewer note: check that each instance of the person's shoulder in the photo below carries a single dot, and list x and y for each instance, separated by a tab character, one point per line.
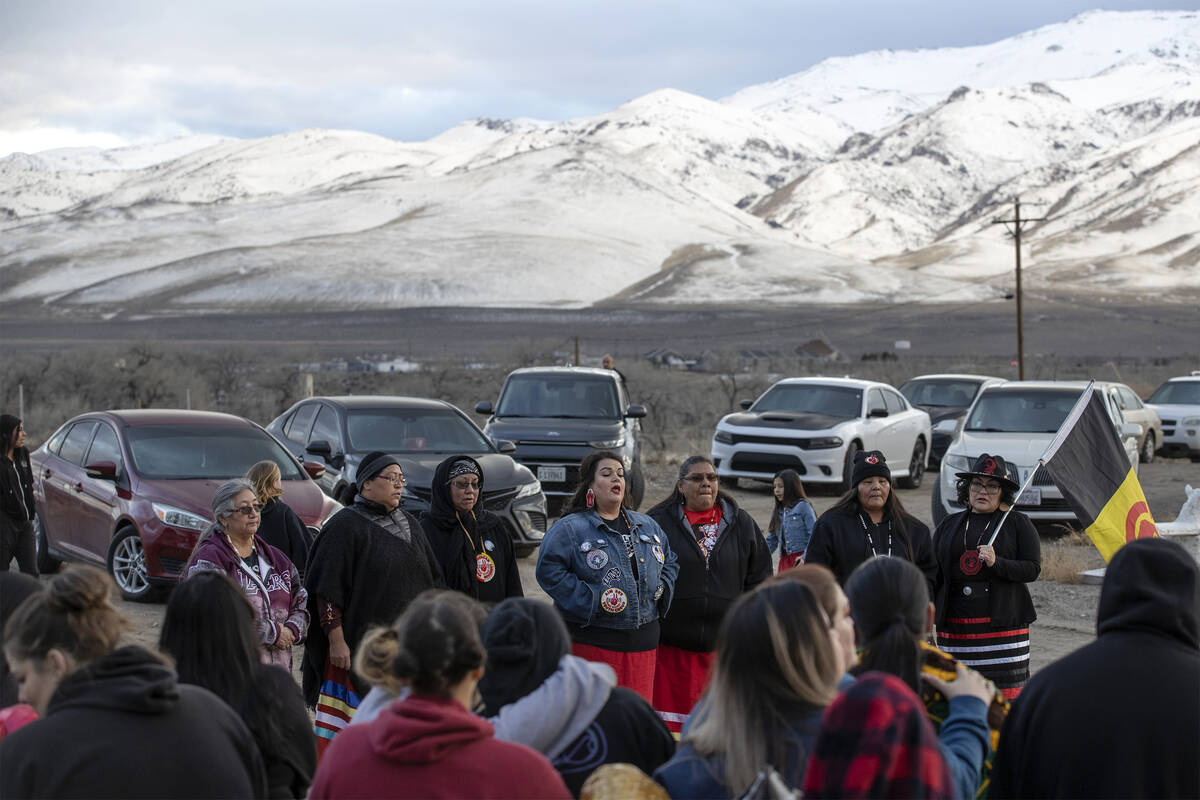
915	524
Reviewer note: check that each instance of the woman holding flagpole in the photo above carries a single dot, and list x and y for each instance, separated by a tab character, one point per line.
986	554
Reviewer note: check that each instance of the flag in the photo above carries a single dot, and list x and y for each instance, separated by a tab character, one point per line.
1090	467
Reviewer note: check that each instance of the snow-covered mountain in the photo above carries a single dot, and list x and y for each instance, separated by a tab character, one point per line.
869	178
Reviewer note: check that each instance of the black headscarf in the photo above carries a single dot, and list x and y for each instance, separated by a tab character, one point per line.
525	640
372	464
446	525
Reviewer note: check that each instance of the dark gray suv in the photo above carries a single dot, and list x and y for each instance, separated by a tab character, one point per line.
339	431
557	415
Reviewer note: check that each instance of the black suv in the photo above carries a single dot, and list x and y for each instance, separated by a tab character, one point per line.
557	415
422	433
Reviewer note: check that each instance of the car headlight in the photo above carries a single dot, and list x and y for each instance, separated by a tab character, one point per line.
1191	421
529	489
724	437
957	462
947	425
824	443
609	444
178	518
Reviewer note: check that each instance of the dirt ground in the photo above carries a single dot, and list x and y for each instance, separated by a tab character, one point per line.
1066	611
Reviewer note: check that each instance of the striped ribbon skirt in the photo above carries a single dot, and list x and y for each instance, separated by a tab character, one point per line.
1002	656
335	706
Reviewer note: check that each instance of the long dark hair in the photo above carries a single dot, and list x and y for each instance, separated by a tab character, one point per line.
208	631
587	474
893	510
889	603
793	490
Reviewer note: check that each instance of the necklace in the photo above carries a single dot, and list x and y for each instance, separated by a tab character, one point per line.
969	561
467	532
236	549
871	540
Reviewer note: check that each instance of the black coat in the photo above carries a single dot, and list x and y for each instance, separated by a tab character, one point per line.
839	543
290	756
1119	717
14	588
371	575
626	731
705	591
282	528
459	539
1018	562
16	487
122	727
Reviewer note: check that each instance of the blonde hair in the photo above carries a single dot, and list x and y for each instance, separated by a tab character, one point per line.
262	477
376	658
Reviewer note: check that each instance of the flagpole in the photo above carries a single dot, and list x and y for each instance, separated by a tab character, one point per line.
1054	444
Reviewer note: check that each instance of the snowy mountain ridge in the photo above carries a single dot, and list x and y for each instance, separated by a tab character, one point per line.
866	178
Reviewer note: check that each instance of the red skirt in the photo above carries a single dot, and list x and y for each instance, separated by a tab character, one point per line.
679	679
634	670
789	560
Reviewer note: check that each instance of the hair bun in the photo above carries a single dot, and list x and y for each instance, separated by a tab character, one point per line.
76	591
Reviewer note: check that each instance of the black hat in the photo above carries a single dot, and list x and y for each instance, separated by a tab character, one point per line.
992	467
373	464
869	464
525	640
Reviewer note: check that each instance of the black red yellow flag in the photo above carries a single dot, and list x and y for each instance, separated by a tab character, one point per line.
1090	467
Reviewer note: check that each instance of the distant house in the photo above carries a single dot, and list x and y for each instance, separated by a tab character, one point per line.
818	350
665	357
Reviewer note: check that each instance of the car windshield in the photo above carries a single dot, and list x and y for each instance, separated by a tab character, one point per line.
1022	410
183	452
942	392
559	396
413	430
1184	393
808	398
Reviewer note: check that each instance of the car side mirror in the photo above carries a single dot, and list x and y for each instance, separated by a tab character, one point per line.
483	407
319	447
636	412
506	446
745	404
877	412
102	470
1131	429
314	469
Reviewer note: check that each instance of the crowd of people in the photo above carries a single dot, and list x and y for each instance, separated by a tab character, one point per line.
876	660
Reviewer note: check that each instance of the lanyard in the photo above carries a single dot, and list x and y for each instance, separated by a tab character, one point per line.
871	540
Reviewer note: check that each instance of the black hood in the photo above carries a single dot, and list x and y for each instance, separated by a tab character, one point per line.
441	506
1152	586
939	413
129	679
8	424
806	421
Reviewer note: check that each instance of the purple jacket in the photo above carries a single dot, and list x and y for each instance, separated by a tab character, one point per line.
278	597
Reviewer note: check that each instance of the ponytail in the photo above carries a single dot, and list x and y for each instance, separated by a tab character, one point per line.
889	603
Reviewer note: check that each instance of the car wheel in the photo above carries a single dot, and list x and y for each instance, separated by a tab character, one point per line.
635	486
727	483
848	466
936	507
46	563
916	467
127	565
1148	448
524	550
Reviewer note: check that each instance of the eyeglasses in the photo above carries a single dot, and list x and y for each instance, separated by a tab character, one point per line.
464	485
252	510
985	488
699	478
395	478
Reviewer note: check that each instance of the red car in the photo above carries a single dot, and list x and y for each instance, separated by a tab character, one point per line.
132	490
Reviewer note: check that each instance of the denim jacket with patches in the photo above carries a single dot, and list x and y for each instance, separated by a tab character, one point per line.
583	566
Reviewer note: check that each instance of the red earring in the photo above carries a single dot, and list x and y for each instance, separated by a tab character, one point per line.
591	498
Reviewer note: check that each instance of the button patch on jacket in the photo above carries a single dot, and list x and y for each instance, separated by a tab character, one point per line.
485	568
613	600
612	576
597	559
658	554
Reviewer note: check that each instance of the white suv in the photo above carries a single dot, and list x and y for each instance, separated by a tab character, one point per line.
1178	404
1018	420
816	425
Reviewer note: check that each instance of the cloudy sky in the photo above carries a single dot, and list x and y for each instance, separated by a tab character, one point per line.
110	72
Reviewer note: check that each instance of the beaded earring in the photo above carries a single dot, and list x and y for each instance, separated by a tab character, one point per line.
591	498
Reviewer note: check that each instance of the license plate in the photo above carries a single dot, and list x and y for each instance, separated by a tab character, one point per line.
552	474
1030	497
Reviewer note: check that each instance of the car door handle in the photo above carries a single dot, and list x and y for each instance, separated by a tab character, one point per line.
47	474
79	487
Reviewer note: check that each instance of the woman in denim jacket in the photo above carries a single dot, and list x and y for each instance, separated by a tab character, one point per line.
792	520
610	573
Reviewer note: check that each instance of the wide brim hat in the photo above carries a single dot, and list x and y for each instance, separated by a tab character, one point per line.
987	466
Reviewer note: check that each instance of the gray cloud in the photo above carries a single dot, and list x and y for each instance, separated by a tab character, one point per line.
410	70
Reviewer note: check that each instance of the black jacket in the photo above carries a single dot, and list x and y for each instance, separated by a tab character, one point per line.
838	542
705	591
367	572
122	727
283	529
1018	562
14	588
459	540
1119	717
290	754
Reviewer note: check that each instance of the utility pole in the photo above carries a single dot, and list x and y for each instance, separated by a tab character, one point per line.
1016	222
577	352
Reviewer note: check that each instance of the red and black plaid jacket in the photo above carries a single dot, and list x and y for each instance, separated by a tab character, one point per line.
876	741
